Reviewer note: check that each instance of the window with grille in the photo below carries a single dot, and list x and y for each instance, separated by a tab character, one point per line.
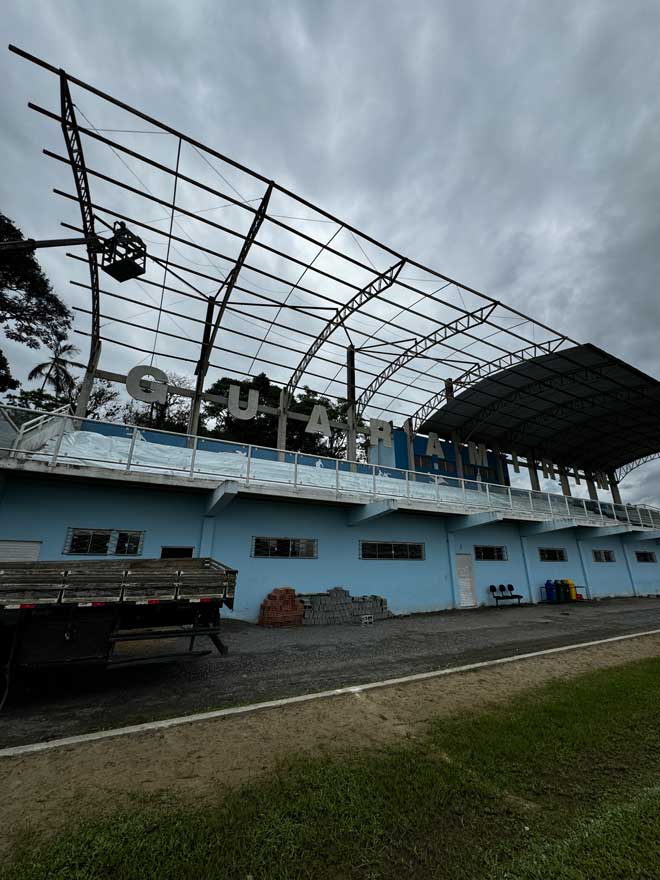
103	542
285	548
645	556
128	543
552	554
604	556
398	550
485	553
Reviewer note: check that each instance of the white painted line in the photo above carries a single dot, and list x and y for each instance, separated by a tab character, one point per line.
304	698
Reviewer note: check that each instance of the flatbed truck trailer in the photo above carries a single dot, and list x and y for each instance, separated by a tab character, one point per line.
61	614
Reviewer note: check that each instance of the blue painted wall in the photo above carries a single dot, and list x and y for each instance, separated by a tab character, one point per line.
607	578
646	575
37	508
486	573
540	572
33	509
408	586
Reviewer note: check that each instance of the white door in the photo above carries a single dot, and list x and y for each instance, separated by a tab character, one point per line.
19	551
465	579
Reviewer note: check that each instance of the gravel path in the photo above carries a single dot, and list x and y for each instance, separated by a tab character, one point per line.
269	663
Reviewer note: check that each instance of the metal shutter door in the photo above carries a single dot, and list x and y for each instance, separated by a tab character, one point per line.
19	551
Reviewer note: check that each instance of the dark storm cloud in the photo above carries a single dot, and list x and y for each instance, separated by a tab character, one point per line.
514	146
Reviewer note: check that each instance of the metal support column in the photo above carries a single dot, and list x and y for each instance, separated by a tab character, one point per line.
77	159
281	423
212	325
88	380
563	481
499	466
591	486
193	422
614	487
410	445
351	433
533	475
456	440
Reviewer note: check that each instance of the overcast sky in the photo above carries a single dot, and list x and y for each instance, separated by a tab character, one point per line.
512	145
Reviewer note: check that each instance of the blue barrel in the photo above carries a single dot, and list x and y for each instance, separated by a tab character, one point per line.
550	593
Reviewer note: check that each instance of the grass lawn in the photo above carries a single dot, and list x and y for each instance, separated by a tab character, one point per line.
564	783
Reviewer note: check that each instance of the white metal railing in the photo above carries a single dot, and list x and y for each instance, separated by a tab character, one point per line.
75	441
36	428
42	418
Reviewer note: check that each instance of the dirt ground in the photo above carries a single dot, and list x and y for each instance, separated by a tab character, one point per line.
195	761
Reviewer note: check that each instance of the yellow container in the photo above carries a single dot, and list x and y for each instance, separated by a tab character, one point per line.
572	590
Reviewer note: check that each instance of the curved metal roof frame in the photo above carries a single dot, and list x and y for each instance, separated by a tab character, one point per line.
328	281
419	347
479	371
374	288
580	406
623	472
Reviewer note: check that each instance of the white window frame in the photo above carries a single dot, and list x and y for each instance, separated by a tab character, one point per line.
502	547
255	538
561	550
113	537
408	544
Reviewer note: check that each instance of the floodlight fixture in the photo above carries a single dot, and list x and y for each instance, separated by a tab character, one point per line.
124	254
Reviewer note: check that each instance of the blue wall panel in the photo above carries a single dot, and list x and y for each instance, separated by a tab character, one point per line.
408	586
485	573
43	508
540	572
646	575
607	578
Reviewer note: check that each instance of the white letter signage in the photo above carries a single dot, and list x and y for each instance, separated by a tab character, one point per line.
151	392
234	403
318	422
379	429
434	446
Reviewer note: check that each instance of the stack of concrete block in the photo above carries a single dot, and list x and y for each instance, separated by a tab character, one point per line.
281	608
338	606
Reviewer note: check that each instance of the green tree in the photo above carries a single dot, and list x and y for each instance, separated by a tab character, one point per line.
104	403
34	398
30	311
56	371
261	430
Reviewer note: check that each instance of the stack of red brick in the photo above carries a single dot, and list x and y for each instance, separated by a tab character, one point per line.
281	608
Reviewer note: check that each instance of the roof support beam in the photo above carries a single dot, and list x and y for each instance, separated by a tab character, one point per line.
221	496
642	535
211	327
481	370
444	332
74	149
585	533
371	511
462	522
623	471
373	289
551	525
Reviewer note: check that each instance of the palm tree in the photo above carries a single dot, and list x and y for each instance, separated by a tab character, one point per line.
55	371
